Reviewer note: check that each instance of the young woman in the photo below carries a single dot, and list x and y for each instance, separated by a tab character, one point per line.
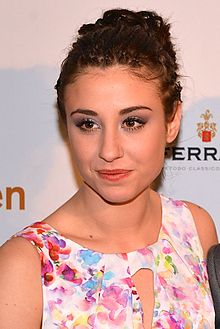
117	254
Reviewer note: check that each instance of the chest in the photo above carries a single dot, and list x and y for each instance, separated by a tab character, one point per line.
144	284
115	291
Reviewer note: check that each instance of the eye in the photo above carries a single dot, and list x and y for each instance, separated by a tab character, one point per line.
87	125
133	123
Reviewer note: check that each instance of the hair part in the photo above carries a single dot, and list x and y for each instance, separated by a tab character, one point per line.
140	41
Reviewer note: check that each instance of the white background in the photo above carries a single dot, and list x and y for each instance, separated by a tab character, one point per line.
34	37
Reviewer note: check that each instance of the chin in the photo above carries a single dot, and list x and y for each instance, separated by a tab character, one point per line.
119	196
117	201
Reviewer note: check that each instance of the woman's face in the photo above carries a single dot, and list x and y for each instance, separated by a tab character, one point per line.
117	132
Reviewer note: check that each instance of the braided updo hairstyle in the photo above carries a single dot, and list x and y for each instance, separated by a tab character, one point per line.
139	41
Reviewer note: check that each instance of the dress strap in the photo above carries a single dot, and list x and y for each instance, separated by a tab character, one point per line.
48	246
180	227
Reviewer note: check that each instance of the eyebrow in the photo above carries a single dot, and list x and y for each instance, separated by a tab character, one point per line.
122	112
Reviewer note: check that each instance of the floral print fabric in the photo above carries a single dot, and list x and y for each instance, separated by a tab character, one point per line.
85	289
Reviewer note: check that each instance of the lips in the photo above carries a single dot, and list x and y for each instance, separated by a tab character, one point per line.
114	174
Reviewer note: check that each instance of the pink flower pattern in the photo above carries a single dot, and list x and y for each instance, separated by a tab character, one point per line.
85	289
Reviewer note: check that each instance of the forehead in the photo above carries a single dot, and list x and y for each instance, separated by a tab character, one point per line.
115	86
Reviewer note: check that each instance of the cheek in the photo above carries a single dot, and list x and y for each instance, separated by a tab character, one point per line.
149	153
82	152
150	145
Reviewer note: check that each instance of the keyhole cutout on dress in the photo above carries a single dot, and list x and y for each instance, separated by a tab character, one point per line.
144	282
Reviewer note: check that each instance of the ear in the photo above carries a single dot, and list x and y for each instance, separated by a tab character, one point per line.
173	125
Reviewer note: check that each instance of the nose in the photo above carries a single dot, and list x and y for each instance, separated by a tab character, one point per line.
110	146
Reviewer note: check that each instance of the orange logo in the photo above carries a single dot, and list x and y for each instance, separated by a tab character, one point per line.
206	130
7	198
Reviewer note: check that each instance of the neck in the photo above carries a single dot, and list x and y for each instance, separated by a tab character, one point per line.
119	222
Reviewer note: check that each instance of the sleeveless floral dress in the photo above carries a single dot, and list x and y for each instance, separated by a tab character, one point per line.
83	288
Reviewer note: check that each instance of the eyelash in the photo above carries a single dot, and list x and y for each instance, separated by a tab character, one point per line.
136	120
81	124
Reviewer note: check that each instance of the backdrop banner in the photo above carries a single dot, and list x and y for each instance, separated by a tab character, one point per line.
36	171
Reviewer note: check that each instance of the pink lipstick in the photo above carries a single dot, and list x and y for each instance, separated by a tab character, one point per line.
114	175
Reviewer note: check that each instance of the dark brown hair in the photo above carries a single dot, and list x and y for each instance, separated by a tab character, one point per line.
140	41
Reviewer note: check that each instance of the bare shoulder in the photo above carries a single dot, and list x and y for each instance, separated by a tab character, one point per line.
205	226
20	285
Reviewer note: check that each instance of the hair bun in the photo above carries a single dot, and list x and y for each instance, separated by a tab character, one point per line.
120	17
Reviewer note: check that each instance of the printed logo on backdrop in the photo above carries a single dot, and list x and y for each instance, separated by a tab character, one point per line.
12	198
199	152
206	130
